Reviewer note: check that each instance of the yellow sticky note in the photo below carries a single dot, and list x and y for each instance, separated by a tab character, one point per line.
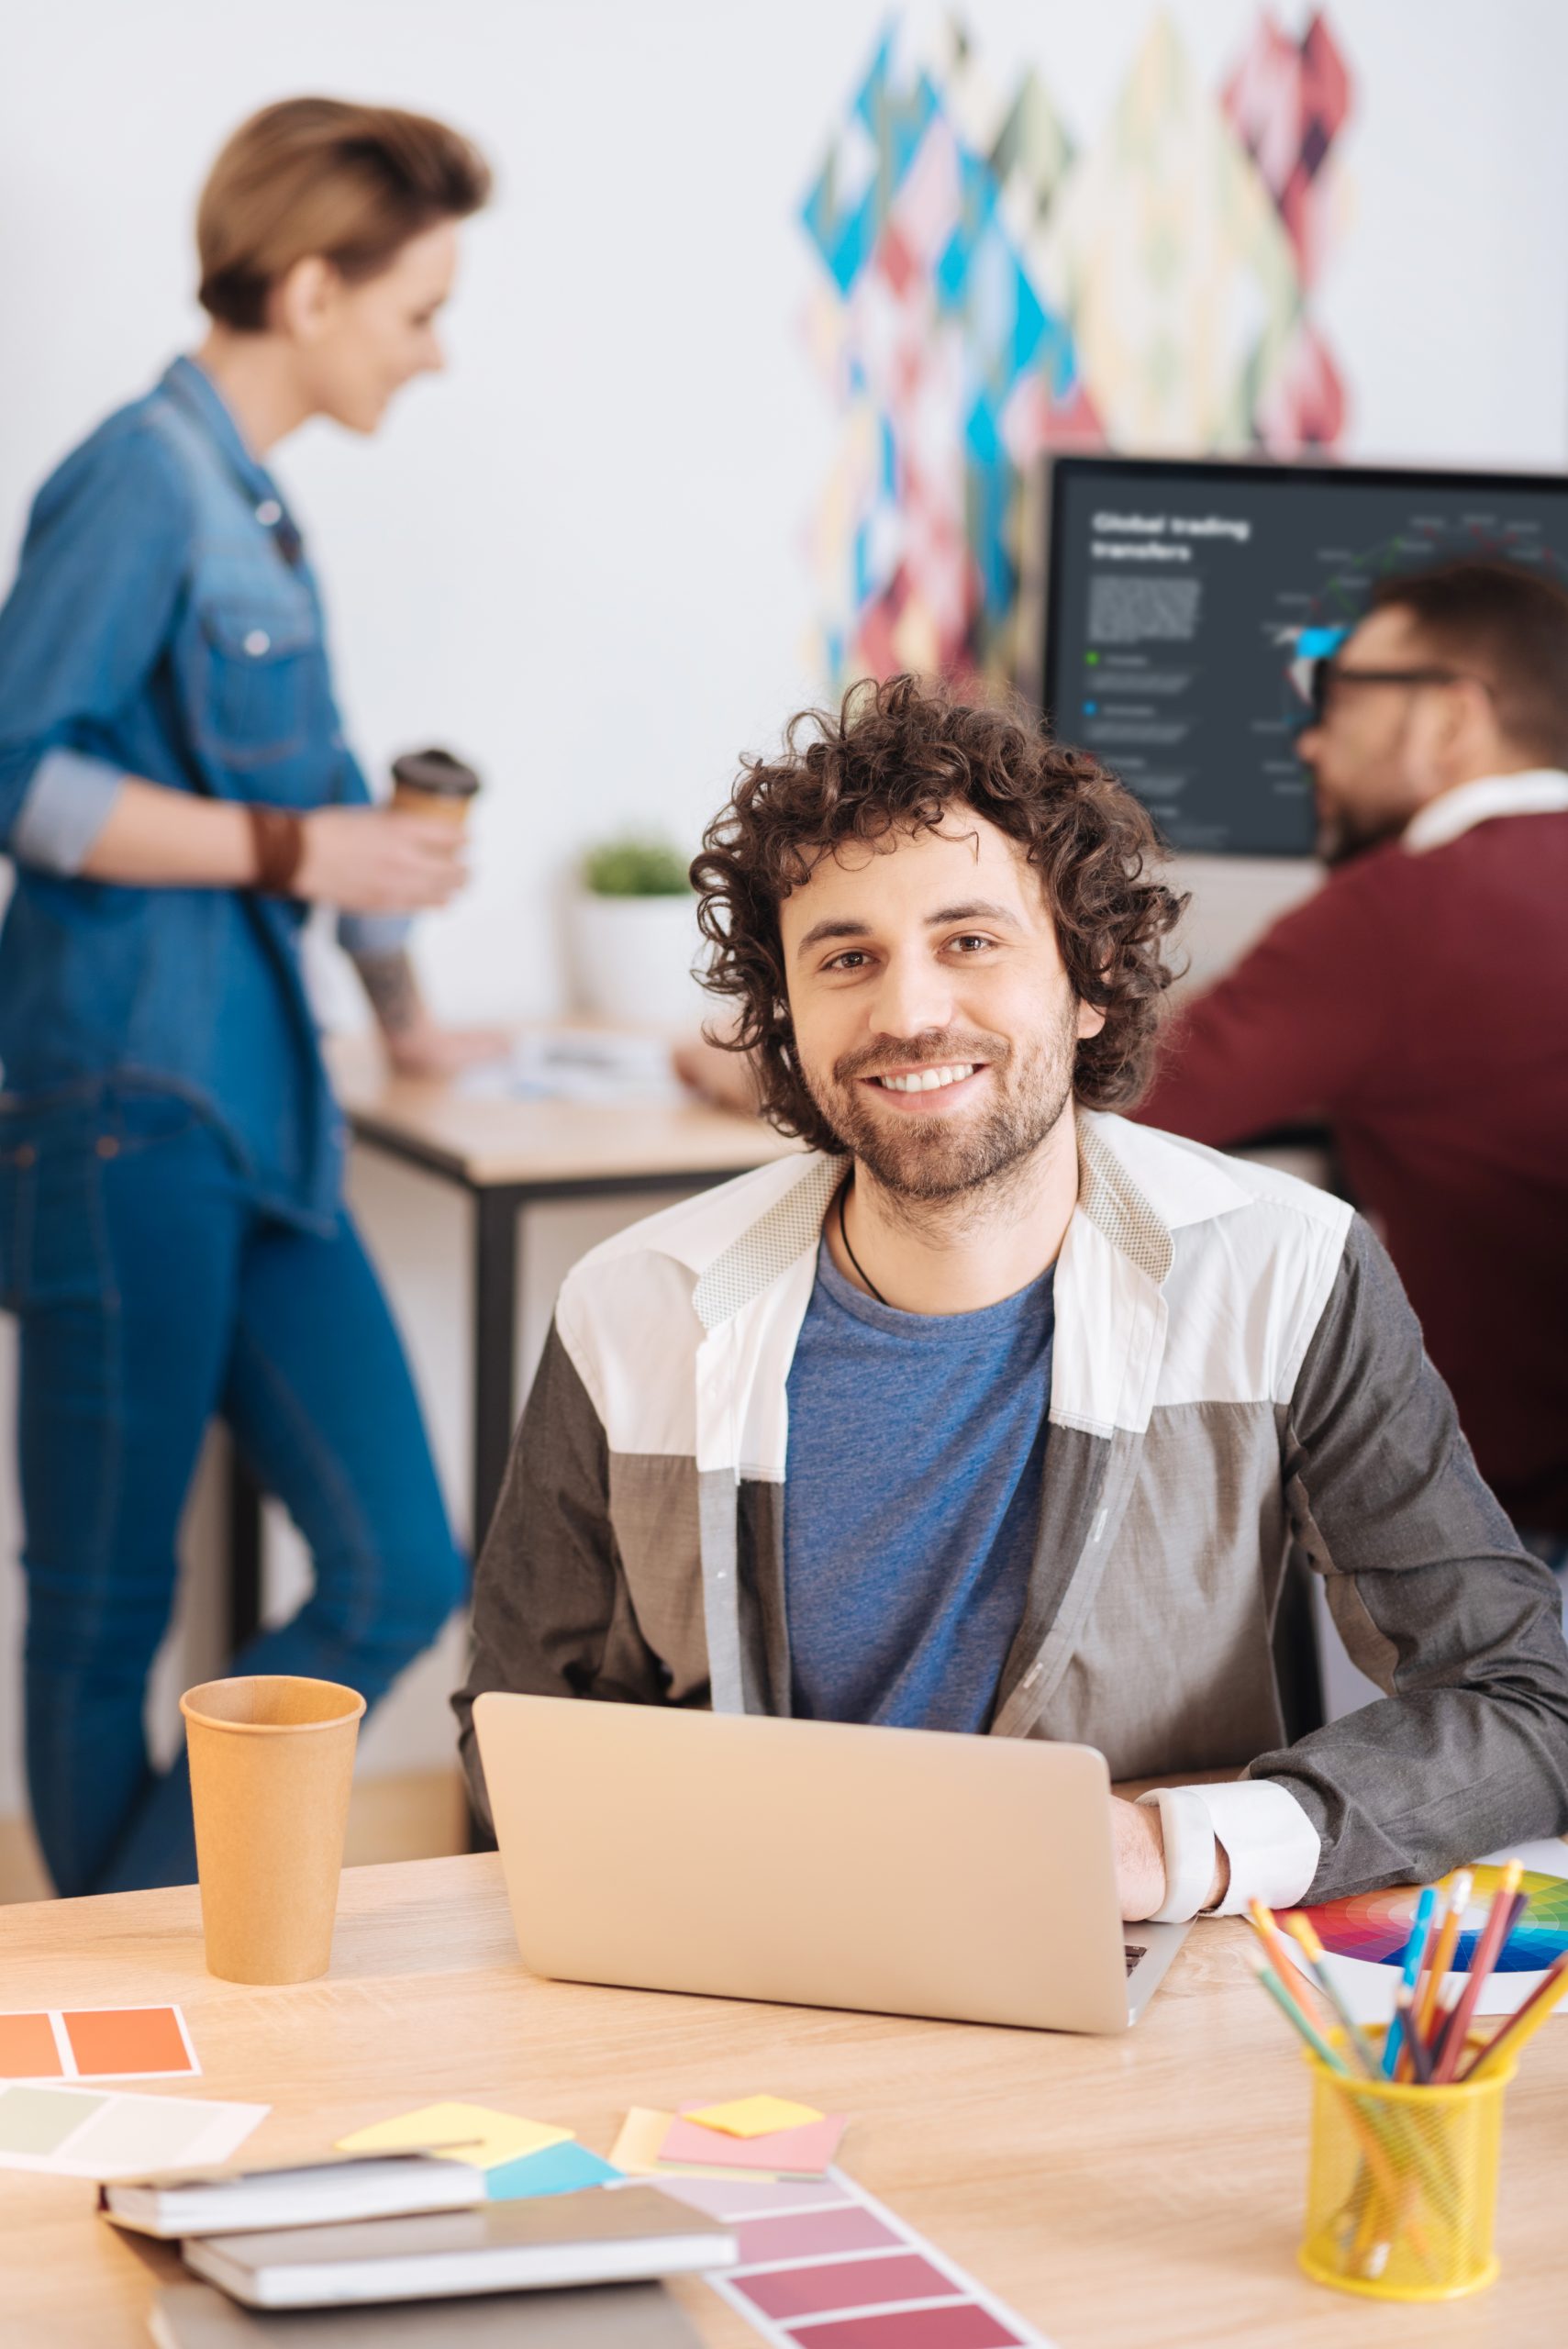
459	2132
635	2150
754	2116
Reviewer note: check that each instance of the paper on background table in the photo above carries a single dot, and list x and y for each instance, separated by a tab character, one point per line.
635	2150
799	2153
1368	1985
753	2115
103	2133
830	2250
558	2169
97	2044
584	1064
474	2134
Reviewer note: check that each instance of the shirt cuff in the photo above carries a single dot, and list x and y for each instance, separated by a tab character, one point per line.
1272	1847
372	934
1187	1834
66	808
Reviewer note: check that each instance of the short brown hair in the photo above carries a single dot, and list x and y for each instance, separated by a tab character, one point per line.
1508	626
320	176
900	756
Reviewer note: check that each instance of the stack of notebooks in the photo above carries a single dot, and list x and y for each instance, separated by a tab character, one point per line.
405	2248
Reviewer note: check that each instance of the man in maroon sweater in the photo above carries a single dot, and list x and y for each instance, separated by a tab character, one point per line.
1419	1003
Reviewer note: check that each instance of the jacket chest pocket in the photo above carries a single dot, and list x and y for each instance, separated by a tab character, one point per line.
261	695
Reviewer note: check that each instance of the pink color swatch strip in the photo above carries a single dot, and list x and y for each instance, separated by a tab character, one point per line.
964	2324
843	2284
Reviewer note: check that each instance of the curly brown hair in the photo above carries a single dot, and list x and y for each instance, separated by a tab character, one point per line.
897	756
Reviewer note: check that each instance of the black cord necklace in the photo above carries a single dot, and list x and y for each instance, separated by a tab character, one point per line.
844	1236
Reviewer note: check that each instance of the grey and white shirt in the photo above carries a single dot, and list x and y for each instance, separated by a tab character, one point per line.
1239	1399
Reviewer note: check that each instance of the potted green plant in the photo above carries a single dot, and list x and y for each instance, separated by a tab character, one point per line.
634	935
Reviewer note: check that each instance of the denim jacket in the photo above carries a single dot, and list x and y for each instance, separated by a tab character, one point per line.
165	624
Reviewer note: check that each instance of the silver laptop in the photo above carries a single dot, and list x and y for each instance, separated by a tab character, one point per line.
815	1863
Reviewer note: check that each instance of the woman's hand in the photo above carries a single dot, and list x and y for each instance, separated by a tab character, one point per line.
425	1049
379	860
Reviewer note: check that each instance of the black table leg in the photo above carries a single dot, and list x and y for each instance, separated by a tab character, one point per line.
495	1310
244	1553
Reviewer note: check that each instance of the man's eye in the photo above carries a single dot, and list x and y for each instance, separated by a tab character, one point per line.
849	961
971	945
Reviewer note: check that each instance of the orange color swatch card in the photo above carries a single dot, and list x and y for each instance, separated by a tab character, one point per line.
97	2044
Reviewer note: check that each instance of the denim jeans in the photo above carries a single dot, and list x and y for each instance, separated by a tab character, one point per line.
152	1294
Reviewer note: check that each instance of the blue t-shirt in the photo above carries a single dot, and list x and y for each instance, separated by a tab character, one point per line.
916	1445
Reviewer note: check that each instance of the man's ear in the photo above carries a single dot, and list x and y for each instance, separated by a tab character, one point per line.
1090	1021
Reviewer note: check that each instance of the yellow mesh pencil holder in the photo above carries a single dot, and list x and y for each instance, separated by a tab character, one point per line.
1401	2184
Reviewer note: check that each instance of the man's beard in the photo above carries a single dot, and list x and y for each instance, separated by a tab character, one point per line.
1344	833
937	1159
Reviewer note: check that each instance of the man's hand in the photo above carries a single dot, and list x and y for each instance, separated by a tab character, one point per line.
1139	1858
379	860
1140	1842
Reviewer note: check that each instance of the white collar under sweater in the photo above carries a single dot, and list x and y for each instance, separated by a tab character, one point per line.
1538	791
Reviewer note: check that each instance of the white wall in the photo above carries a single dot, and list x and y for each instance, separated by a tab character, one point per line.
578	557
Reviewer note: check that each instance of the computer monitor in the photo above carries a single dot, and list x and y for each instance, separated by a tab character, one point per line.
1186	601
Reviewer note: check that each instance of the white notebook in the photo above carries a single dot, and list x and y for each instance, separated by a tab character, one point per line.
310	2194
634	2234
607	2316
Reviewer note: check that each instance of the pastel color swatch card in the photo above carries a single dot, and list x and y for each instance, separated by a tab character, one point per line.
827	2266
805	2151
97	2044
635	2150
460	2132
558	2169
753	2116
87	2132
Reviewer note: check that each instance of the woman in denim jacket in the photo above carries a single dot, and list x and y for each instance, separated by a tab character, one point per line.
175	792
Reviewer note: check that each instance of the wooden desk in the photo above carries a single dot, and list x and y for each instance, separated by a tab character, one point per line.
1119	2193
506	1157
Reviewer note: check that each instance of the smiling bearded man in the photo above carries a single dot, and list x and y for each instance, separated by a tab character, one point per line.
995	1413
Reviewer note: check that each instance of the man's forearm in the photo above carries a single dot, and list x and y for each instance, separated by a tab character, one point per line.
394	991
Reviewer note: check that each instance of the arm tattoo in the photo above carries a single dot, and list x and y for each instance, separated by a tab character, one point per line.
393	992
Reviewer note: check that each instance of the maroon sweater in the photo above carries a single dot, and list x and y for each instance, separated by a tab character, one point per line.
1419	1005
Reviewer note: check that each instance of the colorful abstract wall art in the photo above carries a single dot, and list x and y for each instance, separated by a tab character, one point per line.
989	291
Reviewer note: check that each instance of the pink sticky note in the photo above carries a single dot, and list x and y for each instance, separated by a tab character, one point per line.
805	2151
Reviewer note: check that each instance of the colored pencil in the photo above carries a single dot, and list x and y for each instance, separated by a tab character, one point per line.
1430	1990
1488	1949
1522	2024
1516	1907
1303	1929
1285	1960
1297	2020
1416	2055
1415	1952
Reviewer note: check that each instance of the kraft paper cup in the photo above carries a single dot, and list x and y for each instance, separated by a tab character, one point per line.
432	783
271	1763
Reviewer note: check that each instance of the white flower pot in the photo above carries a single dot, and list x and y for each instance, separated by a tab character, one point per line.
631	960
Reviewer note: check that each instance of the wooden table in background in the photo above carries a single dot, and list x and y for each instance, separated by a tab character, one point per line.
1134	2193
506	1157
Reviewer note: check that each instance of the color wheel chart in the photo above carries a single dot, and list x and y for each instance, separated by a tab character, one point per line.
1366	1934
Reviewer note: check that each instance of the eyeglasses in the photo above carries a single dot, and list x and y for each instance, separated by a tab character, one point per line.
1329	676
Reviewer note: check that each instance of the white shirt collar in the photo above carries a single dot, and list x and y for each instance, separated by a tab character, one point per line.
1539	791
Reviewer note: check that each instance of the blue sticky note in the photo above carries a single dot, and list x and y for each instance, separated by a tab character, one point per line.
558	2169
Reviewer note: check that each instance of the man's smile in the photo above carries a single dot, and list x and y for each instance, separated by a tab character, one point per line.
914	1087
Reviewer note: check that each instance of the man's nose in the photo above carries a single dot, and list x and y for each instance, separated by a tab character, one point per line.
1309	743
915	997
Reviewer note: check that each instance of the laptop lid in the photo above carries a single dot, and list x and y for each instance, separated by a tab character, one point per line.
811	1863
